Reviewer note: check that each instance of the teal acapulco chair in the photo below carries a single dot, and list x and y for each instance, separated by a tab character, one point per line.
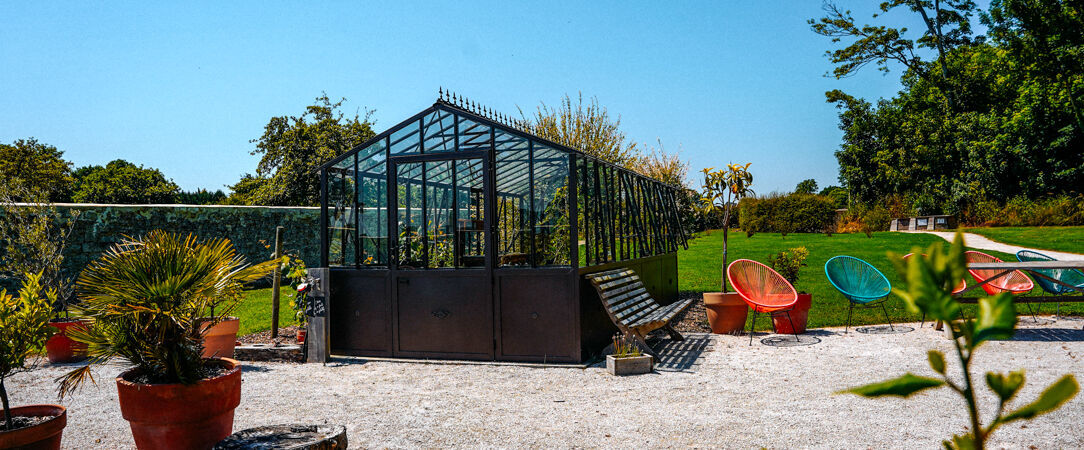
1071	277
859	282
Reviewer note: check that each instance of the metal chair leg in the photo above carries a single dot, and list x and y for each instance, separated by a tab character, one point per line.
850	310
752	326
889	319
792	329
923	322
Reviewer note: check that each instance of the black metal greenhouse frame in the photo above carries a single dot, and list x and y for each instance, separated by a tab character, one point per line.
459	234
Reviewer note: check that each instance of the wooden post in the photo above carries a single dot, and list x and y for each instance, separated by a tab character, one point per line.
275	283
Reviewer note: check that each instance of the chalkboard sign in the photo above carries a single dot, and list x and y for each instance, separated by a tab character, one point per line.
316	307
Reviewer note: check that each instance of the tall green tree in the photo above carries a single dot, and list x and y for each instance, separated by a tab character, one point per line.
948	26
1001	127
123	182
292	148
587	127
38	167
807	186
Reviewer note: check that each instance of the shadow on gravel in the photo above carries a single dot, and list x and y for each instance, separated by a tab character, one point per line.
247	368
1049	335
683	356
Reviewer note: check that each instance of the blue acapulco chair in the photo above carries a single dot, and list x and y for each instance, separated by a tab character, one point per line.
861	283
1068	276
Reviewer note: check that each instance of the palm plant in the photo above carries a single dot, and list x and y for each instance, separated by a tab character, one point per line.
24	328
722	190
148	297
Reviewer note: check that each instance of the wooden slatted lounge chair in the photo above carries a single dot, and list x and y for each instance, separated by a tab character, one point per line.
633	309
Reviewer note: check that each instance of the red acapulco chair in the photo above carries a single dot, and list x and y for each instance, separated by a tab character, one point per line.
1015	282
763	289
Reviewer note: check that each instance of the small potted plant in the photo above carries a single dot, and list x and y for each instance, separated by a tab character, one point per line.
296	272
147	298
723	189
60	348
788	263
626	358
24	329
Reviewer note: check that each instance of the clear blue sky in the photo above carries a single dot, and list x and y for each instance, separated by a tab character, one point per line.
183	88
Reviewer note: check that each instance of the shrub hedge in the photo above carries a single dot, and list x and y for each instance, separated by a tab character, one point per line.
792	213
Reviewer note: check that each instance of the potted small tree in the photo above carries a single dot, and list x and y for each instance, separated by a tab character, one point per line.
147	298
722	189
24	328
626	358
788	263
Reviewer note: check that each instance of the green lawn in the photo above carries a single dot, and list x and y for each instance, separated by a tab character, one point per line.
255	310
698	268
698	271
1062	239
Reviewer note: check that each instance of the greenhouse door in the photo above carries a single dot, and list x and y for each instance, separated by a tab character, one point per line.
442	284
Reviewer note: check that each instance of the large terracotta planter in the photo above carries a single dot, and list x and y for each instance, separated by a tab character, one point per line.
43	436
177	416
799	315
219	340
62	349
726	312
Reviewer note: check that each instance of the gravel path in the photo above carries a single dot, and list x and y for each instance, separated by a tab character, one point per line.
977	241
736	395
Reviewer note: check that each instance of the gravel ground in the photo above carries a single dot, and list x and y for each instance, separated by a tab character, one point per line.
736	395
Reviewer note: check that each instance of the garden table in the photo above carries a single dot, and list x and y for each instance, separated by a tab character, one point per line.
1031	267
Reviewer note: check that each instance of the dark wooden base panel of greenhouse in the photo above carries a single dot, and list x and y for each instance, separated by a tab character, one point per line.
549	315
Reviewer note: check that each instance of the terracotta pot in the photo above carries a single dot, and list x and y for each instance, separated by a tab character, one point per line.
43	436
301	334
219	340
60	347
178	416
798	315
726	312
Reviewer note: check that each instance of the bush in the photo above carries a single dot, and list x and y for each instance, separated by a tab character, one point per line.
793	213
1020	212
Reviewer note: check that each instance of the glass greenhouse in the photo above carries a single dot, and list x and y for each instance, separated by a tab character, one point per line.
457	234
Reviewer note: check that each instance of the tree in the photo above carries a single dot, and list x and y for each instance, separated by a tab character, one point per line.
123	182
837	194
35	234
807	186
1007	125
663	166
201	197
37	166
948	25
585	127
723	189
292	149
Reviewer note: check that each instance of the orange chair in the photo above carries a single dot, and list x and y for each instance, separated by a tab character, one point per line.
1015	282
763	289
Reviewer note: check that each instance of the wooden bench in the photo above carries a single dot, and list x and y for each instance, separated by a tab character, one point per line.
632	308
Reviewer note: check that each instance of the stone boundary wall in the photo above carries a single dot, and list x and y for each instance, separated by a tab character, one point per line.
250	228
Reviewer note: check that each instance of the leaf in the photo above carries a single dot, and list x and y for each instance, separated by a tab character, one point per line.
937	361
903	386
1005	386
1052	398
996	318
962	442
